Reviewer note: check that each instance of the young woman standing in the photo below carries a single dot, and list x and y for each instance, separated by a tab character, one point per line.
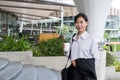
84	51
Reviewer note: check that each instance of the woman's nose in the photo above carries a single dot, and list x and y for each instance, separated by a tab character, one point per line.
79	24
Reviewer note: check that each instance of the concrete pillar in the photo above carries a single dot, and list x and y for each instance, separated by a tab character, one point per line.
101	66
97	12
21	27
62	14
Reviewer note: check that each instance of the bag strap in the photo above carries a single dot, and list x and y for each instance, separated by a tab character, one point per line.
70	51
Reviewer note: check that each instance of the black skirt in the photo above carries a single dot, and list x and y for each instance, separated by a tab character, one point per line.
85	70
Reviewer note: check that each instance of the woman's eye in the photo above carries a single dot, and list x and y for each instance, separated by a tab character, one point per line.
81	22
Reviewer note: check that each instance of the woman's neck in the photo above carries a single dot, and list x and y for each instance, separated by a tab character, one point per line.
79	33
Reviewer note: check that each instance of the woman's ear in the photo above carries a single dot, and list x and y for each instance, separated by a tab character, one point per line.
87	23
87	26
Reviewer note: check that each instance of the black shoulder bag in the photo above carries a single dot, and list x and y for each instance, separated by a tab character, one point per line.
65	71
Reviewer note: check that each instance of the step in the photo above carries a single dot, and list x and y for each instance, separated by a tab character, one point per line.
28	73
44	73
11	71
3	63
58	74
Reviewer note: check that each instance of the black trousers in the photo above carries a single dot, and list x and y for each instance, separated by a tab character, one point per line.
85	70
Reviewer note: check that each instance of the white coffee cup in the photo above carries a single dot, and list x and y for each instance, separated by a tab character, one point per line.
66	47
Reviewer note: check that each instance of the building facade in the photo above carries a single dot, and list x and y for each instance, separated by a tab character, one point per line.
112	26
8	23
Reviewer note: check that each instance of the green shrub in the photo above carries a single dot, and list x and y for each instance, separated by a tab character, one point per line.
7	44
22	44
51	47
110	59
117	64
36	51
11	44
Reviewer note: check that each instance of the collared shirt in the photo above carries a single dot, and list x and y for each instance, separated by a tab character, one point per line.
84	47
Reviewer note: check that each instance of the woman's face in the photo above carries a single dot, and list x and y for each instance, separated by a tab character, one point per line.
81	24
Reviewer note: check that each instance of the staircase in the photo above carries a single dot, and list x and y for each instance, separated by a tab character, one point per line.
17	71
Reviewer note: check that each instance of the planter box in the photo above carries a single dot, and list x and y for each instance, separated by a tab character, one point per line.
57	62
25	57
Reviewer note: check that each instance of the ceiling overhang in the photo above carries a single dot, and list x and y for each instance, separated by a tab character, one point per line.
32	9
42	2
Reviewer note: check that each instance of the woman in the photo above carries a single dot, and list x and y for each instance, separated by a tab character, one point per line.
84	51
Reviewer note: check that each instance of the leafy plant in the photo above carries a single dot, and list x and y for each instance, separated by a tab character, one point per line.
106	48
22	45
117	64
51	47
7	44
12	44
110	59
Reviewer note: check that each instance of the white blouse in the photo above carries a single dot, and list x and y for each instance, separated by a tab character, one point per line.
85	47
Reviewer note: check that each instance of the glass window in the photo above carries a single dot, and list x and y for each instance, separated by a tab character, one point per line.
14	22
9	19
3	18
0	26
0	23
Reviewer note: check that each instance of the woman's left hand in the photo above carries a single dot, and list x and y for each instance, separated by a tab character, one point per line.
73	63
